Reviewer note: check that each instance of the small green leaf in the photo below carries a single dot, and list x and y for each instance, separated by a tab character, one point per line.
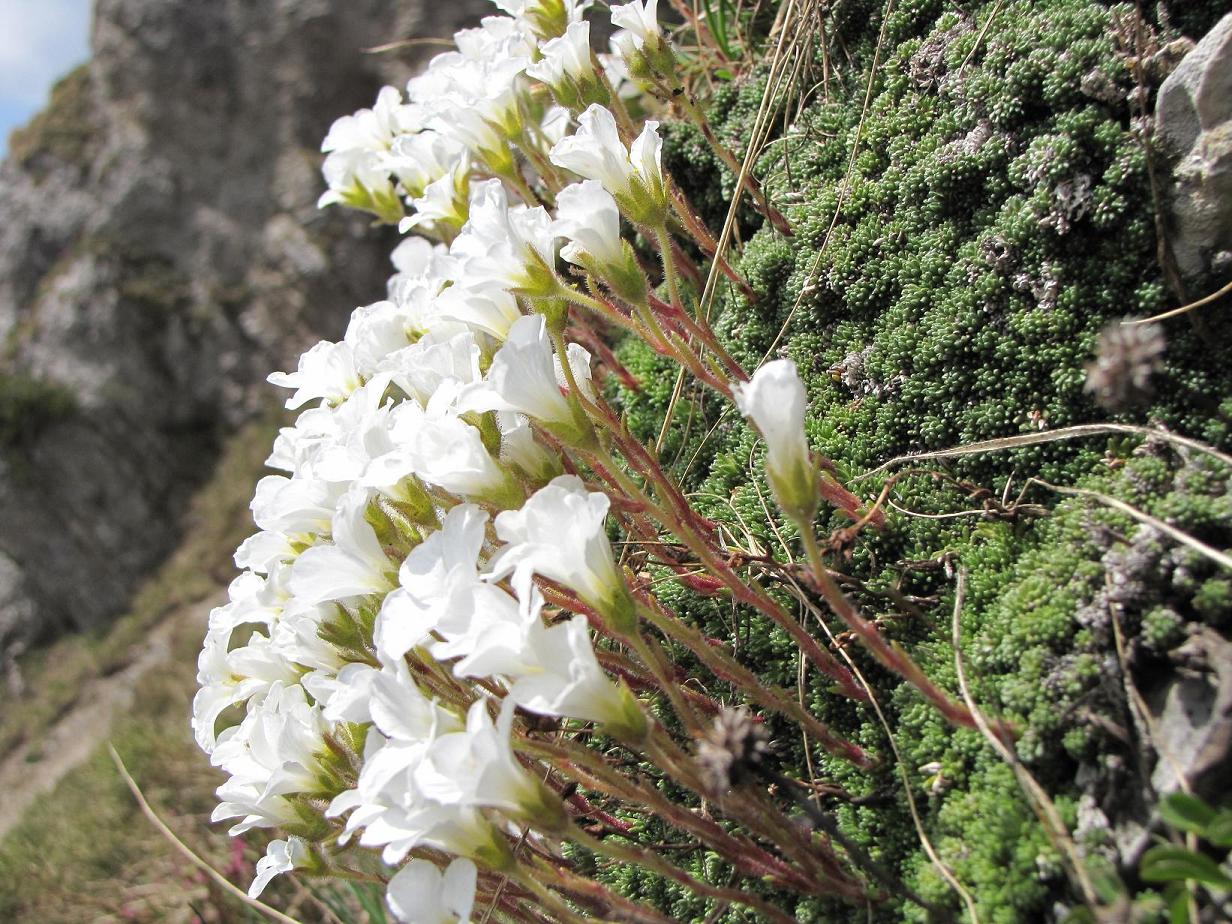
369	902
1175	864
1219	831
1079	915
1186	812
1178	904
1107	884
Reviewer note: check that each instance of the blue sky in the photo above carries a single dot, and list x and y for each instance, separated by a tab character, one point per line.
40	40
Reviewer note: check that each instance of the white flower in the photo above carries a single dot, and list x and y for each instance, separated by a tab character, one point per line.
280	857
444	560
510	247
496	38
372	129
595	151
391	810
485	308
565	57
633	176
319	429
520	449
297	637
474	96
301	508
569	682
350	439
442	605
477	767
546	17
374	332
423	158
488	631
522	378
422	368
448	452
359	179
568	70
228	676
264	550
271	755
442	206
418	259
555	124
775	401
640	19
421	894
558	533
326	371
353	565
357	170
586	215
401	710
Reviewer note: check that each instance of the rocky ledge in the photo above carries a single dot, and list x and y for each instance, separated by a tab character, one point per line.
160	252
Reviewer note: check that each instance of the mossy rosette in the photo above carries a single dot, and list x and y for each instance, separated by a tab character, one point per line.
998	213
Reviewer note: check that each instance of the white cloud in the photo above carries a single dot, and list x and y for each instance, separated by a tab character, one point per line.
40	40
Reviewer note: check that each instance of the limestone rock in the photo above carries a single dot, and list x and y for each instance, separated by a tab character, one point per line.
1193	718
1194	127
160	253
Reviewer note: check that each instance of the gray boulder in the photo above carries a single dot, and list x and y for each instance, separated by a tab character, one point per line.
1194	128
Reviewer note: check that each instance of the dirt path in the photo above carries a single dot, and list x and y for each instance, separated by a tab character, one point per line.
27	774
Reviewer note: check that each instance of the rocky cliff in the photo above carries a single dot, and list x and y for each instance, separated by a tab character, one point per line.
160	252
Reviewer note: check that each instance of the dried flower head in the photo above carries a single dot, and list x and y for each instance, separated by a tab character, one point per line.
732	750
1125	357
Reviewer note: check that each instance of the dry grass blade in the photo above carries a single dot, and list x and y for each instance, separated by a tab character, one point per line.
408	43
1142	517
1205	300
148	811
806	286
1134	697
979	39
1044	808
783	49
1066	433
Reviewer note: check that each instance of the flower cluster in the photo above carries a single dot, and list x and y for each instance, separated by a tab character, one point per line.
443	498
371	642
367	667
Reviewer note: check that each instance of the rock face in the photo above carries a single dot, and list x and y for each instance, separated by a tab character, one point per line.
160	253
1194	120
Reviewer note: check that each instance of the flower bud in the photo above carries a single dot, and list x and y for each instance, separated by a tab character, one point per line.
775	401
567	68
634	176
588	217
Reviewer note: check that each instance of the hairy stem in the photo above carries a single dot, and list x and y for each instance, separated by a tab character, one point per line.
888	654
622	853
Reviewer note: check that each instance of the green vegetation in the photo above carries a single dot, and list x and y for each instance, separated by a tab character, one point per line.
945	285
79	852
63	133
28	406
